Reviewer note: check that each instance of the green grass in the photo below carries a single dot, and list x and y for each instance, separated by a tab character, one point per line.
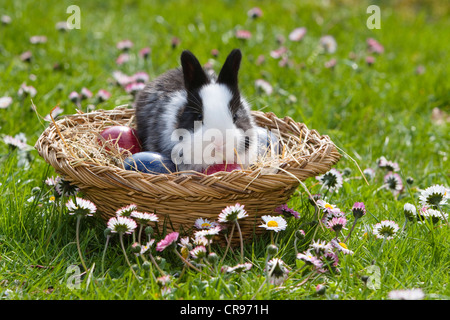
369	111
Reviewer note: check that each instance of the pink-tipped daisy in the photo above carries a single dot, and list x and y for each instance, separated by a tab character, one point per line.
409	210
327	207
65	188
145	52
242	267
297	34
232	213
126	211
122	225
309	259
320	247
273	223
374	46
337	224
198	252
85	93
340	247
167	241
265	86
254	13
103	95
286	211
81	207
385	229
124	45
208	233
394	182
243	34
358	210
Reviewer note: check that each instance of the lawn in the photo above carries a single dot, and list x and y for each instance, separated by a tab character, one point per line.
382	96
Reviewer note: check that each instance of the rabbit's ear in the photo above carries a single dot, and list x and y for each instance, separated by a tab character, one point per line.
194	75
229	73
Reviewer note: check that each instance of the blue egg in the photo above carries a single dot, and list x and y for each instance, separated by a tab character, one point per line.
149	162
268	143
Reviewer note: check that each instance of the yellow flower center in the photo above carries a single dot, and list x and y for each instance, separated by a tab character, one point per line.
205	225
343	245
272	224
52	198
328	206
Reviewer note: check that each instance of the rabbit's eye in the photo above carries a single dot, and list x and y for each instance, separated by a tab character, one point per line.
235	117
199	117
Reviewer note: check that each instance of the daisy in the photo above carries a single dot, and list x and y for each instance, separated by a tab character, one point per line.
198	252
144	217
185	247
167	241
330	259
126	211
25	90
369	173
287	212
145	52
141	76
201	223
232	213
54	113
409	211
264	86
435	195
297	34
358	210
64	188
277	271
374	46
15	142
309	259
340	246
134	87
103	95
208	233
393	182
435	215
336	224
122	58
255	12
243	34
5	102
278	53
276	223
328	43
332	180
407	294
81	207
85	93
320	247
327	207
122	225
385	229
240	268
124	45
148	245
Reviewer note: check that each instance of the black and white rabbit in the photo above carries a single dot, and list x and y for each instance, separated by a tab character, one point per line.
197	118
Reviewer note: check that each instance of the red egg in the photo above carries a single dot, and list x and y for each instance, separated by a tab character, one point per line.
222	167
123	137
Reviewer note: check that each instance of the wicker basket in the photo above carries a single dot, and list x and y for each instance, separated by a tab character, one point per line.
184	198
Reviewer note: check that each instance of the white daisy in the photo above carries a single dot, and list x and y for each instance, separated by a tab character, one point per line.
328	43
310	259
208	233
407	294
332	180
434	215
278	271
393	182
121	224
275	223
81	207
5	102
385	229
327	207
144	217
409	211
340	246
232	213
434	196
240	268
148	245
201	223
64	188
320	247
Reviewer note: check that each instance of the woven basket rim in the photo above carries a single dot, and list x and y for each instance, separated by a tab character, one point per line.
51	148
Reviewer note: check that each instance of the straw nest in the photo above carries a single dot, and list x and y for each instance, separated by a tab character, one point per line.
70	145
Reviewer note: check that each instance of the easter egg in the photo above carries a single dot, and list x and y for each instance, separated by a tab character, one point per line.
228	167
267	142
149	162
123	137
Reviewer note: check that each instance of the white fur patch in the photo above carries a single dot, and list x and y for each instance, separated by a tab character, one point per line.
169	117
216	113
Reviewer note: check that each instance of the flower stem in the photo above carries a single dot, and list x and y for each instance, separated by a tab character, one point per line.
351	230
443	215
78	242
186	262
125	254
242	242
156	265
104	254
228	244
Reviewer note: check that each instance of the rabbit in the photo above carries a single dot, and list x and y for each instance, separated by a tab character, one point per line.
196	118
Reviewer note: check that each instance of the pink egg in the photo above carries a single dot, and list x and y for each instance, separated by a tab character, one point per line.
123	136
222	167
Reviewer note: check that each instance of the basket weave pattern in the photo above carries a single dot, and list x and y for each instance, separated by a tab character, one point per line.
184	198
